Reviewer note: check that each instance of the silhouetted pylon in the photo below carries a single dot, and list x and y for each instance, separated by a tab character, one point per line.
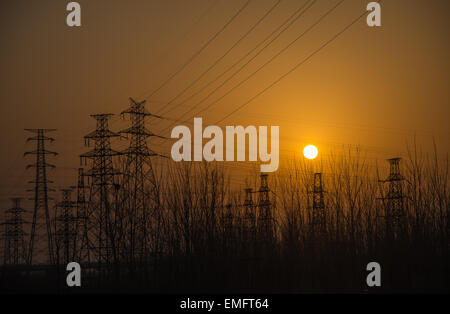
228	228
265	219
65	233
139	190
14	235
41	239
83	245
101	196
248	219
317	215
393	200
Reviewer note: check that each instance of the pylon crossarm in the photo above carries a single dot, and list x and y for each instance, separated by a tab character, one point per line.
37	138
99	134
134	111
40	165
103	153
39	181
43	151
40	130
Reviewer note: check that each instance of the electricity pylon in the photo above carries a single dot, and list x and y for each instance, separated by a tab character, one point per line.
41	241
394	209
228	228
102	173
265	220
139	187
317	216
14	236
249	218
83	245
65	234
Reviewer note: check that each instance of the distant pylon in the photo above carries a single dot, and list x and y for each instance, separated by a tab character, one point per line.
41	241
83	245
228	229
249	219
317	217
65	234
265	219
394	211
14	236
139	185
101	205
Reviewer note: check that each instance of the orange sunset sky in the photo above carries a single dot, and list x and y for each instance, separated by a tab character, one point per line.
372	87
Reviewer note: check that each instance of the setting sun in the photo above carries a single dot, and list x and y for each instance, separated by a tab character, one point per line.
310	151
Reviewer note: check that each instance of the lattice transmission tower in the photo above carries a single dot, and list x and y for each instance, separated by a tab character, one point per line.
227	219
393	200
317	214
139	189
248	228
83	244
101	197
14	235
265	218
40	249
65	231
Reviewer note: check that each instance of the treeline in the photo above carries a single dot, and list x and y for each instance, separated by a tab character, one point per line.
197	231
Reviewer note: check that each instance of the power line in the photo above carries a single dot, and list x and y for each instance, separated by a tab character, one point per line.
288	20
185	34
299	64
221	57
200	50
273	57
296	67
244	65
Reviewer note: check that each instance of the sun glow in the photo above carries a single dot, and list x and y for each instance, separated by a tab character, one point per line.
310	151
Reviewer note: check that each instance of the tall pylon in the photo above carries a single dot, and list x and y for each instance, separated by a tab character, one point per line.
14	235
40	249
102	174
228	239
249	219
139	193
317	215
65	233
393	200
83	244
265	218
